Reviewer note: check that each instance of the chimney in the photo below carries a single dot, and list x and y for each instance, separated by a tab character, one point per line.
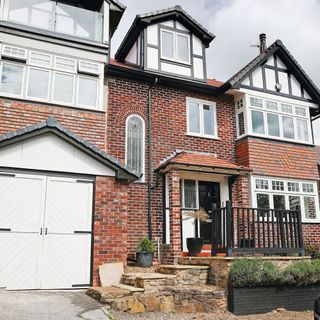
263	42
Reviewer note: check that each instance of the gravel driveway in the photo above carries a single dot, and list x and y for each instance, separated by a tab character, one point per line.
276	315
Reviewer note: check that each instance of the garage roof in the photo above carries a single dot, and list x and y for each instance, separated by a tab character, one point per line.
53	126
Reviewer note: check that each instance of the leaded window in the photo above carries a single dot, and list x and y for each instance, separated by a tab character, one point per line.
135	143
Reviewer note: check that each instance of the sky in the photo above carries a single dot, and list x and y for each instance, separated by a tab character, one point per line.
237	25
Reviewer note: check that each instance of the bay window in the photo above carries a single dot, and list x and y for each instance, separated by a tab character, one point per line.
175	46
285	194
201	118
52	79
273	119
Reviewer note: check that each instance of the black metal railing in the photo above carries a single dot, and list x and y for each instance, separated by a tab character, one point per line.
238	230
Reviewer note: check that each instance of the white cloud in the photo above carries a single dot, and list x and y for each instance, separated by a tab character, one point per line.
237	24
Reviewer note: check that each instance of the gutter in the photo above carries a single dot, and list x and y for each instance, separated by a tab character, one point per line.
150	158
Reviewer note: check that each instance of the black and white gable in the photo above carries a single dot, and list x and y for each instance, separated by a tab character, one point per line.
169	42
276	72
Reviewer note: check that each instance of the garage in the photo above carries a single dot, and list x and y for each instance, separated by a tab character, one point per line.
45	232
50	214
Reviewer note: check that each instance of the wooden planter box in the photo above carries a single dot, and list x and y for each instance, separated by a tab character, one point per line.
243	301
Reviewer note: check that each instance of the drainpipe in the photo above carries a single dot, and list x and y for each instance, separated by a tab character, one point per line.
150	158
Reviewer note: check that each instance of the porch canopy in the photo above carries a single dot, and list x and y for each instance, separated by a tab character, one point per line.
201	162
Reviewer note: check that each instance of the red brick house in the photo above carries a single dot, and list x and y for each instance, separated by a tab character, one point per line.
200	142
97	154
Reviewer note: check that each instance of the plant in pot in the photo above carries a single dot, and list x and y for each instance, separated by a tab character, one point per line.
195	244
144	254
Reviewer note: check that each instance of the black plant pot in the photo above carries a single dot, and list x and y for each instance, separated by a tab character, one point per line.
194	245
144	259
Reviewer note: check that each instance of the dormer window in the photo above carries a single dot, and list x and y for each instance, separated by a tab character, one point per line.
175	46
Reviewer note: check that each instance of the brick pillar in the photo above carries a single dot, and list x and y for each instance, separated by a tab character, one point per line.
240	192
175	223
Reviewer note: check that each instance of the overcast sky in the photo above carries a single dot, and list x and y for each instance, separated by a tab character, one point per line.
237	25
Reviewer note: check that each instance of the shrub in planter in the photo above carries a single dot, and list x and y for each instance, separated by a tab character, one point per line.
144	254
252	273
312	251
258	286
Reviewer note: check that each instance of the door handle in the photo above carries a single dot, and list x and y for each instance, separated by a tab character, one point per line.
45	231
40	231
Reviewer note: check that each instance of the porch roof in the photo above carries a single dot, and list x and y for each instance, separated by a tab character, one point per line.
202	162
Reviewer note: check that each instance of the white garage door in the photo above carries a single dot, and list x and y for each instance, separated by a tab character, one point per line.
45	232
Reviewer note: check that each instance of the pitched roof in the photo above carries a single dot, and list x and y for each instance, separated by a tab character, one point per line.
173	13
201	160
53	126
279	48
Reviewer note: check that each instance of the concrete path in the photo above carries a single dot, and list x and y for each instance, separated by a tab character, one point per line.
39	305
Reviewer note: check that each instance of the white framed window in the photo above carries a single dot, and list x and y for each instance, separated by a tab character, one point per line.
63	88
52	79
175	46
88	92
38	82
12	76
14	52
40	59
189	196
65	64
278	120
201	118
89	67
135	144
287	194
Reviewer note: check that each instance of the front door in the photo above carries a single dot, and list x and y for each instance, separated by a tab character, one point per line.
209	199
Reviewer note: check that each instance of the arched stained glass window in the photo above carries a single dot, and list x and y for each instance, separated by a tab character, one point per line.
135	143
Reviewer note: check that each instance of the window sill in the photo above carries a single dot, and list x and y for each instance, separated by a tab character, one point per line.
202	136
180	63
315	221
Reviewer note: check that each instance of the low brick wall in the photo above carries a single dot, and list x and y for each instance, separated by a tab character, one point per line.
220	266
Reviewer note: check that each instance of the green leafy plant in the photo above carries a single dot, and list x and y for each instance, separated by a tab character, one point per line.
257	272
253	272
301	274
146	245
312	251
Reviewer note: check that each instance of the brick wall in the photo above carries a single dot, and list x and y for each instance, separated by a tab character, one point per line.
89	125
311	234
110	224
278	159
169	127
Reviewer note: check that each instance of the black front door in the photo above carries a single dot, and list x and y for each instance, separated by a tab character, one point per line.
209	198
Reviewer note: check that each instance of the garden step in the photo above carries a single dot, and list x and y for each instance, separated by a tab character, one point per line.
129	288
107	294
149	281
187	274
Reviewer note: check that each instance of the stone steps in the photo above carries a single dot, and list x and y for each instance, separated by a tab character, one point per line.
149	281
186	274
127	287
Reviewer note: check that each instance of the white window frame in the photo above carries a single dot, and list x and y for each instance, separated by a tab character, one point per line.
49	83
24	76
215	123
175	46
264	110
52	69
54	73
286	193
143	178
82	76
183	194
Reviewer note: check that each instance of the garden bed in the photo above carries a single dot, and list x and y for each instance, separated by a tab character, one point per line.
257	286
243	301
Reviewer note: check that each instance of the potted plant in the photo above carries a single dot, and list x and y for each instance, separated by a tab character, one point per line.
195	244
144	254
